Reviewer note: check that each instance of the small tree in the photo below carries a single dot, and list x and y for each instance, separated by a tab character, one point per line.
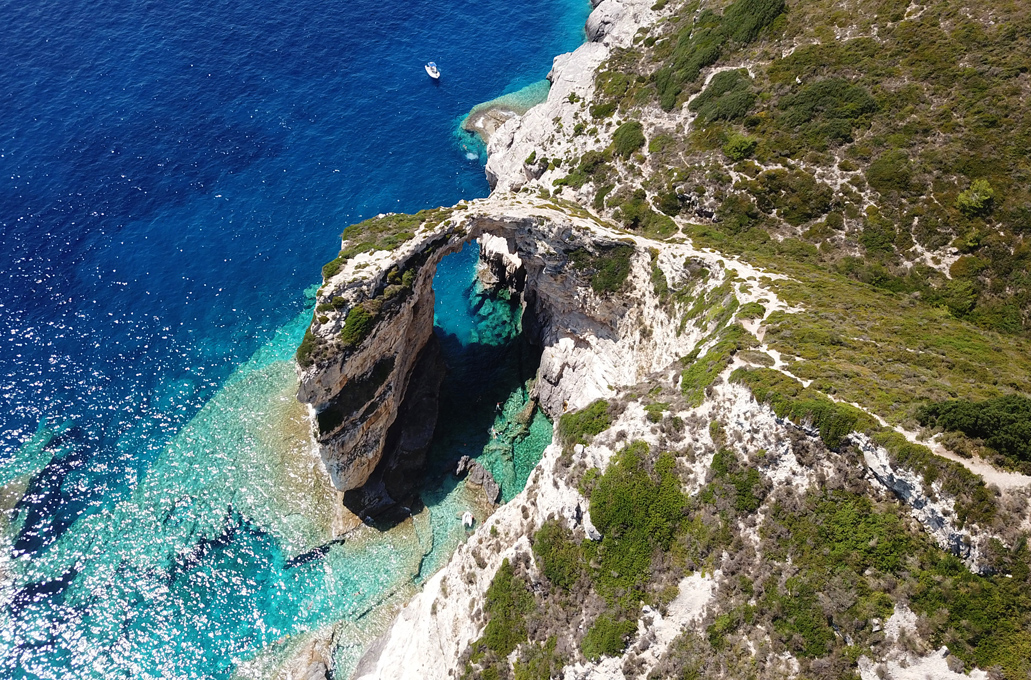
978	200
739	147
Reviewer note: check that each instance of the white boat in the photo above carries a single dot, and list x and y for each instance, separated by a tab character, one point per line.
431	69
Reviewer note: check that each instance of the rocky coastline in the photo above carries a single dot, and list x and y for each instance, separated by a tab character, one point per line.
372	395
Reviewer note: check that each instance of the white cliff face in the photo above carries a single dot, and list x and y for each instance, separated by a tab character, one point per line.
612	24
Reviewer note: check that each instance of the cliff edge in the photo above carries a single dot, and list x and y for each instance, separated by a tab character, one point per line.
768	294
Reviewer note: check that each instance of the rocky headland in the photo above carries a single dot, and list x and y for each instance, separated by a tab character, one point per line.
744	481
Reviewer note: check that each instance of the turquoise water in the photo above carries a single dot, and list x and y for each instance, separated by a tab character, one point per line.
210	550
172	175
485	410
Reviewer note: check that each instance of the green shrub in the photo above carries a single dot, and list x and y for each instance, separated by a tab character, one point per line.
703	372
701	44
744	484
737	213
668	202
739	147
591	167
506	603
539	662
607	637
728	97
751	310
608	270
655	411
305	349
637	514
637	215
796	195
1003	423
603	110
891	173
628	138
558	554
789	399
357	326
579	427
978	200
827	110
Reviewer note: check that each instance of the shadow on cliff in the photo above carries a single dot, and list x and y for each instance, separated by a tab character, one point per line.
479	410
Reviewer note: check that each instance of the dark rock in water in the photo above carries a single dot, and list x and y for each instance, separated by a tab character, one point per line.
391	492
479	475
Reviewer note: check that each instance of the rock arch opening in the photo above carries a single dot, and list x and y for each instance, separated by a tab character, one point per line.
468	408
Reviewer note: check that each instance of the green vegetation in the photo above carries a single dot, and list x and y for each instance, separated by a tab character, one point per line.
628	138
607	637
655	411
702	43
607	270
358	325
826	111
789	399
636	514
795	195
978	200
703	372
889	352
926	118
738	147
507	603
1003	423
842	537
539	661
592	167
751	310
560	556
306	349
636	214
578	427
660	284
728	97
835	421
385	232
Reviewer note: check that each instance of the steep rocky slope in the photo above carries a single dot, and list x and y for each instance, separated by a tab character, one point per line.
753	248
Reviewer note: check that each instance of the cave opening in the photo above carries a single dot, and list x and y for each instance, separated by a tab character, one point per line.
473	386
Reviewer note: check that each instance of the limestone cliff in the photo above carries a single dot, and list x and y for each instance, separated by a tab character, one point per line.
819	532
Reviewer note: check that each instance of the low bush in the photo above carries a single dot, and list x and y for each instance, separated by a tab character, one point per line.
628	138
608	269
978	200
790	399
506	603
739	147
357	326
728	97
796	195
1004	423
703	372
559	556
607	637
579	427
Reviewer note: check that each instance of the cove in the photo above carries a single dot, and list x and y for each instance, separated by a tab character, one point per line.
220	564
173	176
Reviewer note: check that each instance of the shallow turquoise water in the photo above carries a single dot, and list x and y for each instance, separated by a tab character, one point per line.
196	565
171	178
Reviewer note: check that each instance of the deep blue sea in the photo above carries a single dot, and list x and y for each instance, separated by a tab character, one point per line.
172	177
